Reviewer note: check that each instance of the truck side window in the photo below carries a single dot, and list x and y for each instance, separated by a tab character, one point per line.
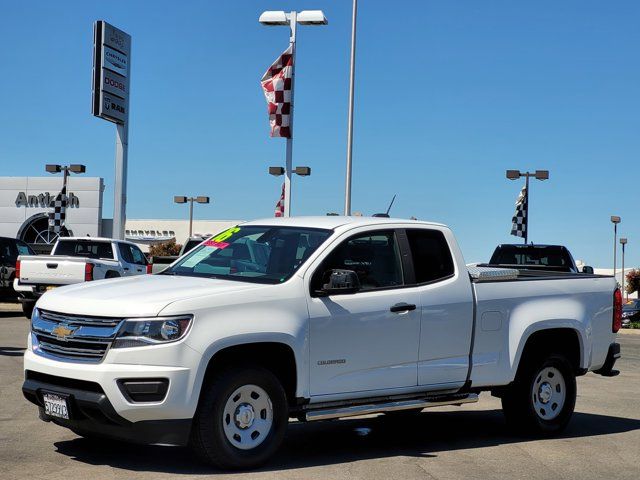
374	256
138	256
431	255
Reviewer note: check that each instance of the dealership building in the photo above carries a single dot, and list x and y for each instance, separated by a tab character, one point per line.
25	203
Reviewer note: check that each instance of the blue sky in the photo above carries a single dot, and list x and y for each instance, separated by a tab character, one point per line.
448	96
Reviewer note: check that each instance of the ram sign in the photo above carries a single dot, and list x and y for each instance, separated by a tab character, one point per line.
111	68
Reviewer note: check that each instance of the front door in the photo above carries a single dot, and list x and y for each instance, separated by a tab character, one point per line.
369	340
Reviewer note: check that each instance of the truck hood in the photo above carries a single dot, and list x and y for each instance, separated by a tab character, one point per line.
144	295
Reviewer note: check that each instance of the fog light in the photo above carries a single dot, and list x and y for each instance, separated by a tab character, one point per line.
144	389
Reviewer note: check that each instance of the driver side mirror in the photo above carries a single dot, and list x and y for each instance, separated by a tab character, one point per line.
587	269
340	282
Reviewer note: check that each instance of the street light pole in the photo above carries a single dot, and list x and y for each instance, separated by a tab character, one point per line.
352	73
184	199
275	18
615	220
293	22
623	242
538	175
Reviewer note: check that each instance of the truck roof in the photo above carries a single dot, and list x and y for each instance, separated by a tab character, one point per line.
333	221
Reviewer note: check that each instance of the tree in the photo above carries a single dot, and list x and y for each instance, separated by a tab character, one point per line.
633	281
164	249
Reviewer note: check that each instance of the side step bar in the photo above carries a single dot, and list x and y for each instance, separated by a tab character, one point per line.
356	410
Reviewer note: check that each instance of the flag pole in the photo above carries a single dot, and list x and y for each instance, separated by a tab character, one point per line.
352	72
288	171
526	202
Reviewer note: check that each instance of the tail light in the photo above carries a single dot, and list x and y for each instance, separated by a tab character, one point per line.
88	272
149	268
617	311
18	269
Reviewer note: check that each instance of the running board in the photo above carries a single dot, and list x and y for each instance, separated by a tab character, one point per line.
356	410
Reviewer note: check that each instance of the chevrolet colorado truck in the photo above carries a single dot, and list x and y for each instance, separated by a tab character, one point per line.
330	317
75	260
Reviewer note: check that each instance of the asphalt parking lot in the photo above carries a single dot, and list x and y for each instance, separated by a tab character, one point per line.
602	441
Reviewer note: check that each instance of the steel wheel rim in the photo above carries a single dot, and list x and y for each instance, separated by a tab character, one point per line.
248	417
549	393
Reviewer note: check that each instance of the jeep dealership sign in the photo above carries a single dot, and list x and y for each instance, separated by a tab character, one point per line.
111	72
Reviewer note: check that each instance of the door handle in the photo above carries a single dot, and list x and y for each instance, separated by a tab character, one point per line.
402	307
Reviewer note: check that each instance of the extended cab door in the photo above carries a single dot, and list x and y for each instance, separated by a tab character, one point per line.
446	304
132	259
368	340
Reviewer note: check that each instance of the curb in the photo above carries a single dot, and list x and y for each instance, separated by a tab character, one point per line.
629	331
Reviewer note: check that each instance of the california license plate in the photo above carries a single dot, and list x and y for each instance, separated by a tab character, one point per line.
55	405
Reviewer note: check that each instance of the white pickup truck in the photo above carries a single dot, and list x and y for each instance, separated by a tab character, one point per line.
330	317
75	260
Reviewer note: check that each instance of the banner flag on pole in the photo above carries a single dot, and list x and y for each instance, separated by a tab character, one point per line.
519	221
276	84
57	217
280	204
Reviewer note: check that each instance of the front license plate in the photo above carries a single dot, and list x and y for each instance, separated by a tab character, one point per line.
50	287
55	405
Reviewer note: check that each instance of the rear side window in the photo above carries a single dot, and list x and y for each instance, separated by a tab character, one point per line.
431	255
84	248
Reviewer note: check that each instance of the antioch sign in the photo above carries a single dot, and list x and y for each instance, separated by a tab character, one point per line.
43	200
111	71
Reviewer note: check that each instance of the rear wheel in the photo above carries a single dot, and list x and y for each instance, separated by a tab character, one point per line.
241	419
543	396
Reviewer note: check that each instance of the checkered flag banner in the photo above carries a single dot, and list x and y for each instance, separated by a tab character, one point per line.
519	221
276	84
280	204
57	217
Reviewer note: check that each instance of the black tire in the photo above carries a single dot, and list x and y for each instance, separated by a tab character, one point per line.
208	438
112	274
523	406
27	309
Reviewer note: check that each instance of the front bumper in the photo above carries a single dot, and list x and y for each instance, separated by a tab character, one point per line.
612	356
91	412
181	398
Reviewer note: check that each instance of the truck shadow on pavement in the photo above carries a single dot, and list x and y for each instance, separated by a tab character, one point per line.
328	443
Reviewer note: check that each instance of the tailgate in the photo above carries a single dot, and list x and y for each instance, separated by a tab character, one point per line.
51	270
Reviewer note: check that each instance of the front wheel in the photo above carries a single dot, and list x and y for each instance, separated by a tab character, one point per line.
241	419
543	396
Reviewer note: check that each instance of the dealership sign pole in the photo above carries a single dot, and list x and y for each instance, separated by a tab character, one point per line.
111	79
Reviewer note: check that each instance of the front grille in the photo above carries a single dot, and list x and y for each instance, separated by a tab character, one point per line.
73	337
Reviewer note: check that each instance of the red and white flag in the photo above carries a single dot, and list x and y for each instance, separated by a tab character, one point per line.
280	204
276	84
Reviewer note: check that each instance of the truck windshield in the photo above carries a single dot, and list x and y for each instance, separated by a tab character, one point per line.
260	254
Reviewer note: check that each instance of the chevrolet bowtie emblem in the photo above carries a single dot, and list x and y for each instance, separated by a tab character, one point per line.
62	331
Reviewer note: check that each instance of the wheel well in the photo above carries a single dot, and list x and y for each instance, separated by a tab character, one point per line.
276	357
111	274
554	340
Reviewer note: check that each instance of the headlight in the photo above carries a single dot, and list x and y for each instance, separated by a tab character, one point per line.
137	332
626	314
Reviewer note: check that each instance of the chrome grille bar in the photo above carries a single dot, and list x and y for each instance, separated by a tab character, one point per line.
73	337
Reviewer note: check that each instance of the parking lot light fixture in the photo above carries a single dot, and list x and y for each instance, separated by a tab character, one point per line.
615	220
623	242
65	169
538	175
190	200
291	19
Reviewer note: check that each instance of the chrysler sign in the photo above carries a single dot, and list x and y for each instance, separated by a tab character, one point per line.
111	70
